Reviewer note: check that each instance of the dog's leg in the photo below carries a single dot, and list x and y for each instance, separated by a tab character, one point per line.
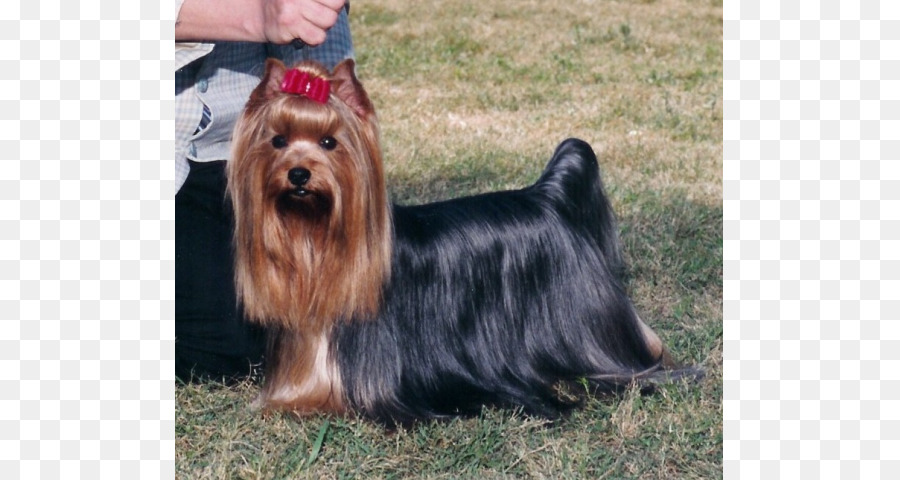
656	346
671	370
300	376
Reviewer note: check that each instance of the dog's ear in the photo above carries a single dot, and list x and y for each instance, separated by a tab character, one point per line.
271	82
348	89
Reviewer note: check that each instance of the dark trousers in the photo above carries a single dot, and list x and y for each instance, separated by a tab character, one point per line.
212	341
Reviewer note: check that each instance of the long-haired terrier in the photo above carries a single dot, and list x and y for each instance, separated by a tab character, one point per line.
402	313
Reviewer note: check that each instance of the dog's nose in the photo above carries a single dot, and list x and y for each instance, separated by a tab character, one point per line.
299	176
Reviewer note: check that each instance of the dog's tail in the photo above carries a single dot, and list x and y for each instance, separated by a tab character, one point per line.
572	187
571	183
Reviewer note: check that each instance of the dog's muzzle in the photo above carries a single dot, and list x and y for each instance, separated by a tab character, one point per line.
299	177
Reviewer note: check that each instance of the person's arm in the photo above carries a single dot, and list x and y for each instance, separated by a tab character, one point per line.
275	21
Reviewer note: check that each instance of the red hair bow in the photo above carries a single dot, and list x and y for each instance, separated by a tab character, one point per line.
302	83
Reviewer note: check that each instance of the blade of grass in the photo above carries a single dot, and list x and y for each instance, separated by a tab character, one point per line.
317	446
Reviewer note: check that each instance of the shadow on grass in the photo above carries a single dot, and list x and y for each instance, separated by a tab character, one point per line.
665	235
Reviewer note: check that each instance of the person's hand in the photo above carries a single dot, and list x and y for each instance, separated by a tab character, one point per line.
308	20
275	21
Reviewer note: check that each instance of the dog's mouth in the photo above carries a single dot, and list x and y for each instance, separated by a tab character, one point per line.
299	193
305	202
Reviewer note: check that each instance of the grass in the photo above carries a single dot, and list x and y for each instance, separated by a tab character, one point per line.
474	96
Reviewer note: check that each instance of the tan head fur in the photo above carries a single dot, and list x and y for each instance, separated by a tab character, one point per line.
306	257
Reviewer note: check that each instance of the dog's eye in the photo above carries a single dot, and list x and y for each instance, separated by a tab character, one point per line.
279	141
328	143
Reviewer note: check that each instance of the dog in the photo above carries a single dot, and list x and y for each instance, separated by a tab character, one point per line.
406	313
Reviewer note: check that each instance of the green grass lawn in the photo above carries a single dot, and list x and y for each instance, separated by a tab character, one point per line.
474	96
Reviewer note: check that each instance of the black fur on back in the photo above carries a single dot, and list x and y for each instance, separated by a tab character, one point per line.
494	300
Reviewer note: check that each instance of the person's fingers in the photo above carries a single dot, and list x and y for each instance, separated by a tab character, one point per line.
307	20
321	15
310	34
335	5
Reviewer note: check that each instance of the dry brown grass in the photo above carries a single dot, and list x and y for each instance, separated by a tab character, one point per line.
641	81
